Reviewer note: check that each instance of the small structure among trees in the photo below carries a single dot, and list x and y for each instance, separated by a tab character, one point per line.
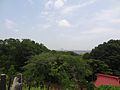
103	79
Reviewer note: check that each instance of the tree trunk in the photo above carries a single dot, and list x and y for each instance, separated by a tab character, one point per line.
9	83
29	87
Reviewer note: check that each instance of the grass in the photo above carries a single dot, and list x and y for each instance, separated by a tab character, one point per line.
33	88
105	87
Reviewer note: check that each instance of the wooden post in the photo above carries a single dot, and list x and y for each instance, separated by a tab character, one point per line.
3	82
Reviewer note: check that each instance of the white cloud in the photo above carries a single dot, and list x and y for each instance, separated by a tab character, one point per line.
9	24
59	3
71	8
64	23
49	4
115	20
101	30
109	15
55	4
46	26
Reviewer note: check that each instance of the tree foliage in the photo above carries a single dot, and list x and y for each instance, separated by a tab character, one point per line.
63	69
15	52
109	52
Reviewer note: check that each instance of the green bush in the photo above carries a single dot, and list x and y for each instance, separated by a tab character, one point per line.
106	87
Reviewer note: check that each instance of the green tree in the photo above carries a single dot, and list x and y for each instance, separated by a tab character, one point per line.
16	52
109	52
56	67
98	67
86	56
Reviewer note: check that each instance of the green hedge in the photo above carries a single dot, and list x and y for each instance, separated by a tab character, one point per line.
106	87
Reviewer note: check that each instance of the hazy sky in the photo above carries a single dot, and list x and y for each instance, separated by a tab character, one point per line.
67	24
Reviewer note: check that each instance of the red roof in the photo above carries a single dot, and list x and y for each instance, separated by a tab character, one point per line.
103	79
105	75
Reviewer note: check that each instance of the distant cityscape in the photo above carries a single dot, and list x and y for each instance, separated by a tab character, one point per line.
77	51
81	51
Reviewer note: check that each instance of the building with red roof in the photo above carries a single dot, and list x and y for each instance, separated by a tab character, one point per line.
103	79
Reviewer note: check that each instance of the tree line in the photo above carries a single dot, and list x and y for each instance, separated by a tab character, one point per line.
109	53
41	66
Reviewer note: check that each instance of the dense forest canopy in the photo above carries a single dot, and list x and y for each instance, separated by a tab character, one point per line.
16	52
56	67
108	52
40	64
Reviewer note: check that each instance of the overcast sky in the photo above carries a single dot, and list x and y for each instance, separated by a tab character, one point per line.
61	24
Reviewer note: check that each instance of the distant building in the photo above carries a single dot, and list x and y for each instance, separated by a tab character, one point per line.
103	79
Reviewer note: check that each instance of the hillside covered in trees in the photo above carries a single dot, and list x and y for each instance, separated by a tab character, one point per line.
42	66
109	53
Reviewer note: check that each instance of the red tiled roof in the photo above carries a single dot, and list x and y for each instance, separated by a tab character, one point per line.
105	75
103	79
